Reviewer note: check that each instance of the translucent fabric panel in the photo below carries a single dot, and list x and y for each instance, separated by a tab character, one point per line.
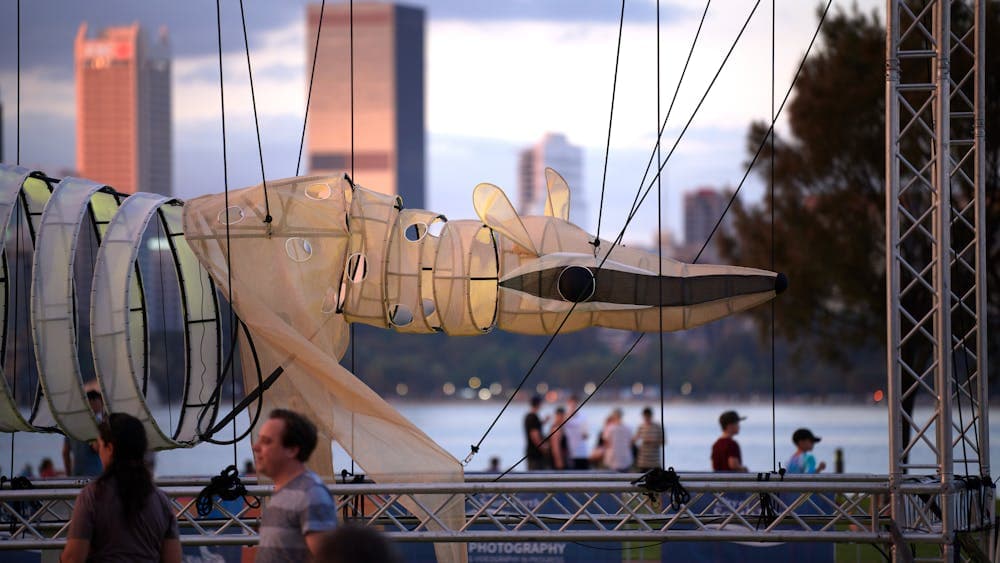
202	333
53	314
117	328
557	202
495	210
402	283
11	180
372	218
465	278
281	297
428	252
36	194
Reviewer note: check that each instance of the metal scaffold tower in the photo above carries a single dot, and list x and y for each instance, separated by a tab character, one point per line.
935	260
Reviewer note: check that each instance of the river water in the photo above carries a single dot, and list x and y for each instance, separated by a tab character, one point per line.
861	431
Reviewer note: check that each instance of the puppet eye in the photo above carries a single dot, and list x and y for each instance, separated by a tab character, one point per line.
576	284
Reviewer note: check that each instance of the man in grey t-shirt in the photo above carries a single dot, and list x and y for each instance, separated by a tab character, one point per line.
301	508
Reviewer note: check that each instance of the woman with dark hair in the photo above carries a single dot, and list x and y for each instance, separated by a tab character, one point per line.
122	516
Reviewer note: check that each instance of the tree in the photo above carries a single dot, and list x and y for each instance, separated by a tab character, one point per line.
829	195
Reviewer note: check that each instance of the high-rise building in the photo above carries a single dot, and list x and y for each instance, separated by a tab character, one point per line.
553	151
123	135
702	209
387	148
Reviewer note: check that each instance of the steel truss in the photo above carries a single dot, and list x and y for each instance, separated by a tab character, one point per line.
935	252
600	508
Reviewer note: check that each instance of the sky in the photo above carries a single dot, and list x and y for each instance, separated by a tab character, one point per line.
498	76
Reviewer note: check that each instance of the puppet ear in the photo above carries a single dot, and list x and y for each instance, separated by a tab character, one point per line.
496	212
557	202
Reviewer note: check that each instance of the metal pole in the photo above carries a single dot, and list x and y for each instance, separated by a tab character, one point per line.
941	252
982	405
892	261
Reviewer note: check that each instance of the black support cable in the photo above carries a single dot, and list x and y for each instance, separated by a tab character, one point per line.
17	161
611	117
256	121
579	406
17	105
670	108
312	75
659	245
680	136
774	359
750	166
770	129
475	448
350	36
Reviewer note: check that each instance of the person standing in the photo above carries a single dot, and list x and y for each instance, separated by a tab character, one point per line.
576	434
301	509
534	451
803	461
617	444
122	516
649	438
80	459
557	441
726	454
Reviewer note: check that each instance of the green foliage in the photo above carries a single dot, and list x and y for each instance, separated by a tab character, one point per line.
829	196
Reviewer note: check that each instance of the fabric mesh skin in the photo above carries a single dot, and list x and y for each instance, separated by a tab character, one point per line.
283	285
11	180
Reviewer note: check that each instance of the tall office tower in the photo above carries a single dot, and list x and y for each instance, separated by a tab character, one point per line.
123	109
702	209
388	132
553	151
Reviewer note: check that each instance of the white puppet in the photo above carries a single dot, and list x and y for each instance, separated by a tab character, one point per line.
331	254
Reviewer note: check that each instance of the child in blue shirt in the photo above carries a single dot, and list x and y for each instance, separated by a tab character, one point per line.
803	461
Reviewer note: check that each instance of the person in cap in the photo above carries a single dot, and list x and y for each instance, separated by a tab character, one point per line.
726	454
803	461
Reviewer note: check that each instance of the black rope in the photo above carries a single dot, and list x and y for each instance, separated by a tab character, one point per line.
225	183
17	134
774	359
312	75
350	36
659	247
611	117
475	448
17	308
578	407
256	122
798	72
670	108
770	129
657	480
227	486
17	282
257	395
768	504
677	141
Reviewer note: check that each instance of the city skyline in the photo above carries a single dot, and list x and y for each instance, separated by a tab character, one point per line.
497	78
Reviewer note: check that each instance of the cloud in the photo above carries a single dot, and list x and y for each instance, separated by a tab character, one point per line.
44	91
277	56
